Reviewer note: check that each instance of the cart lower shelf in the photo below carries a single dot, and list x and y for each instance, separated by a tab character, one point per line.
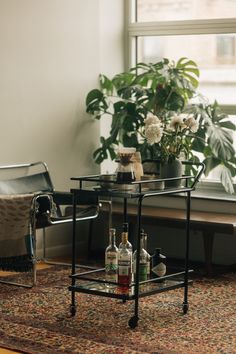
99	286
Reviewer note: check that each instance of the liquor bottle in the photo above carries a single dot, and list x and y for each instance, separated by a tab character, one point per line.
126	231
148	255
124	262
158	264
111	258
144	259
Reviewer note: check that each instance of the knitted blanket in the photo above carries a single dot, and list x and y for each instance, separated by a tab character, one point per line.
16	239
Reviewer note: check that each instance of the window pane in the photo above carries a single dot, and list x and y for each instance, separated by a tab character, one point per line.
172	10
214	54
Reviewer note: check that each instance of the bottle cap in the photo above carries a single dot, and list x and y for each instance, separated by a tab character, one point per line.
125	227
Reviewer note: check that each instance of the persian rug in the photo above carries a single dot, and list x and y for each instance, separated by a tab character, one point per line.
38	320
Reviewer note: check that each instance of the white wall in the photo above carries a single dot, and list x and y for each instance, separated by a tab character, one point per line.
52	52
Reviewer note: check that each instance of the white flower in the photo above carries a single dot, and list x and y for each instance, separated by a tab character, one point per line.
151	119
192	124
153	133
177	122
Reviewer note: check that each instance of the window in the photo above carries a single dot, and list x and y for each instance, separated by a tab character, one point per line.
172	10
204	31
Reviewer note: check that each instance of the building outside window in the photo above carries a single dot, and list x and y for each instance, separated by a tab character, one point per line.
204	31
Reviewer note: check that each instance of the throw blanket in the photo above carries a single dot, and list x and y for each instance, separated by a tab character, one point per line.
16	239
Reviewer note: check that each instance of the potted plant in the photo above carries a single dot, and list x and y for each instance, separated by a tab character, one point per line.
157	109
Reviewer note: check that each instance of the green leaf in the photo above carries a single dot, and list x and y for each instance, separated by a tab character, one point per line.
130	140
175	102
188	69
228	125
186	64
226	179
96	103
106	84
99	155
112	153
221	142
198	145
192	79
210	163
123	80
119	106
94	95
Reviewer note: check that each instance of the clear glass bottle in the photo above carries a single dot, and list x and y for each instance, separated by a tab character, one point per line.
144	261
158	264
111	258
126	231
124	262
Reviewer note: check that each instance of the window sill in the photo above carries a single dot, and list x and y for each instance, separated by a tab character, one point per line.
208	196
213	191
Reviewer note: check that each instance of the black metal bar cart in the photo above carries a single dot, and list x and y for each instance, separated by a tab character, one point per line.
93	281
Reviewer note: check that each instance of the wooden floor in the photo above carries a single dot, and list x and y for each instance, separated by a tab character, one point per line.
6	351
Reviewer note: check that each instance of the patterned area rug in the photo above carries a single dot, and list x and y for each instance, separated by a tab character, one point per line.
38	320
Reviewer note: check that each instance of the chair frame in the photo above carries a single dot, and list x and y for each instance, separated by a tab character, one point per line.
43	188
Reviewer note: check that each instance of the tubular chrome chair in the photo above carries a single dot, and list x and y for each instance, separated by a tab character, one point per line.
34	179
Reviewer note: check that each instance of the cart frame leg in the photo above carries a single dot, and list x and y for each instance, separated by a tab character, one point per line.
73	267
133	322
188	206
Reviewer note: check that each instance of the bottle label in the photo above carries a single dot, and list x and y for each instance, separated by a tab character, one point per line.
159	269
111	266
124	272
111	258
142	271
124	267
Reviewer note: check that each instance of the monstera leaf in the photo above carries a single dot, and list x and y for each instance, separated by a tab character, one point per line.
221	142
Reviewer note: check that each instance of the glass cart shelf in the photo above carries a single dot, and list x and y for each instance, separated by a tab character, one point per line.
93	281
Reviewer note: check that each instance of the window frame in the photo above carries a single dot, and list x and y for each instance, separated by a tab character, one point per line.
181	27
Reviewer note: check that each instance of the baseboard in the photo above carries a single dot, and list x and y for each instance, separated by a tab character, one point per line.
60	250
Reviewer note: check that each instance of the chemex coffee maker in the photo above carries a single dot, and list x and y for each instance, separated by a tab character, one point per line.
125	170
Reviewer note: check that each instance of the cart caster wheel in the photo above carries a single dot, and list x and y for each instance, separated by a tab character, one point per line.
185	308
72	310
133	322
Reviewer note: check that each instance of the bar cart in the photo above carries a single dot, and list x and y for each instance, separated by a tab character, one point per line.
92	281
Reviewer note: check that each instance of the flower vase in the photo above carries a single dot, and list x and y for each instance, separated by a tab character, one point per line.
170	169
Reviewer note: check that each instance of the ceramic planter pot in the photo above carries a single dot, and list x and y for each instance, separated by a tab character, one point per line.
173	168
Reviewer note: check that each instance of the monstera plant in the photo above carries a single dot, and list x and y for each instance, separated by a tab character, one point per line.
157	109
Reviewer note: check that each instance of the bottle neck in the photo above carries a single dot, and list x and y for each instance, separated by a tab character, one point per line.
142	242
112	237
145	241
124	237
113	240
